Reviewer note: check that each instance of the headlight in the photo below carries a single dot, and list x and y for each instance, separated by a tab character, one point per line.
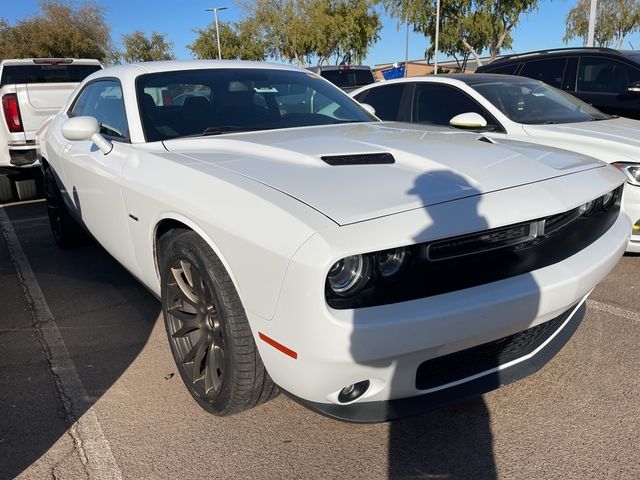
631	170
349	275
391	262
587	208
608	199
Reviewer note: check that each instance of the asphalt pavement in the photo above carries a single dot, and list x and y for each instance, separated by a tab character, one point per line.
88	389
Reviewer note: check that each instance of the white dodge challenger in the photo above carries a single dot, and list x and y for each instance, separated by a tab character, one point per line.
298	243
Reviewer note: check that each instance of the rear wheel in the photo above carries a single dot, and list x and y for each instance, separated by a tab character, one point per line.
208	331
66	232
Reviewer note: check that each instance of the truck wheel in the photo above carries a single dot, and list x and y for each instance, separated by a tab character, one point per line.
66	232
208	331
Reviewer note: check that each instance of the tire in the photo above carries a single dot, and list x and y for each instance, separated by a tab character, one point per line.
66	231
207	328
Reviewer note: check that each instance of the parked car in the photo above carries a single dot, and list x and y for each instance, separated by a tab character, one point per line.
516	108
606	78
31	91
288	248
347	77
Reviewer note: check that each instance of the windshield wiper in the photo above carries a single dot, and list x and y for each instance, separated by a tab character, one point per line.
220	130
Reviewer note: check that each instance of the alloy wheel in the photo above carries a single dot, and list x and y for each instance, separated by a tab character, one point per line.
195	332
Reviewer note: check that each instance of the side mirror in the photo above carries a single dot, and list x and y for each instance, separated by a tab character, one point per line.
368	108
633	88
86	128
468	121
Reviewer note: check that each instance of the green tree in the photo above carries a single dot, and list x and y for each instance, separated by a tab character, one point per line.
615	19
139	48
467	27
60	30
238	41
302	31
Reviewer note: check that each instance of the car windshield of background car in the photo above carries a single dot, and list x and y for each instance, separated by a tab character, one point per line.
535	103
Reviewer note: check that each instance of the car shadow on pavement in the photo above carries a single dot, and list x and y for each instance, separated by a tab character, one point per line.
104	317
454	439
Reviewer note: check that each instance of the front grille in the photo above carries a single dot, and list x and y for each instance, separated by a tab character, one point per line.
475	360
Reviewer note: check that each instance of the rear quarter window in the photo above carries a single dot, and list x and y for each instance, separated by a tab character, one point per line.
12	74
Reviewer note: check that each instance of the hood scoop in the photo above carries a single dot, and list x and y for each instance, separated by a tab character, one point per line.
359	159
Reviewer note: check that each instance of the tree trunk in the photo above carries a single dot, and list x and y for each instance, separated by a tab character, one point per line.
495	49
473	52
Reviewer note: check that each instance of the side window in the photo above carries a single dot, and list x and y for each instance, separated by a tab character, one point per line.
385	100
437	104
602	75
103	101
504	70
549	71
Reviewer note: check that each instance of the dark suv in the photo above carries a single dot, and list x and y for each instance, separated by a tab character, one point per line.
347	77
606	78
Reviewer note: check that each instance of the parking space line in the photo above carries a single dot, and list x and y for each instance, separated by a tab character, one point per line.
93	448
617	311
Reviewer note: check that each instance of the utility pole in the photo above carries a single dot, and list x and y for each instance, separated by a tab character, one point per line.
215	13
592	23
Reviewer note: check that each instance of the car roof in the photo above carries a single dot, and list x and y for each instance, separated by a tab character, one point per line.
141	68
452	78
43	60
320	68
633	55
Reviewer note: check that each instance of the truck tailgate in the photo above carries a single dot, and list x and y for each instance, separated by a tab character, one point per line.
38	101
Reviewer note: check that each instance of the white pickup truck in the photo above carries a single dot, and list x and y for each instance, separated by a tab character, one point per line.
31	90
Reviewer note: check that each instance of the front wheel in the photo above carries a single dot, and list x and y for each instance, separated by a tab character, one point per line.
208	331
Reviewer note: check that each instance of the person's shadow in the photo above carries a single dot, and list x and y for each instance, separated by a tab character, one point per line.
453	441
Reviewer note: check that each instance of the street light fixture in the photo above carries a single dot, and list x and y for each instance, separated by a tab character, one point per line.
215	13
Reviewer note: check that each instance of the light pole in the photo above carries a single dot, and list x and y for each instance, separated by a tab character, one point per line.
406	53
435	63
592	23
215	13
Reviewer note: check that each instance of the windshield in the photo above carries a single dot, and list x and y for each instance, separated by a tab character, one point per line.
534	103
216	101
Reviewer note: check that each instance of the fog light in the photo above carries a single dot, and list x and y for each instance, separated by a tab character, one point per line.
353	392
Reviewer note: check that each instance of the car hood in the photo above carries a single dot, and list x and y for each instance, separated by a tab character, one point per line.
606	139
430	167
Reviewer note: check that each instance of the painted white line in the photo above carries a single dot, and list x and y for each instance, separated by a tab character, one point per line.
617	311
22	202
93	448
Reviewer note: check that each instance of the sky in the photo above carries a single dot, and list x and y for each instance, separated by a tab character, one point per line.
542	29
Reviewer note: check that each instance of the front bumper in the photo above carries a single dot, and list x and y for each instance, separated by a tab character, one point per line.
485	381
631	206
